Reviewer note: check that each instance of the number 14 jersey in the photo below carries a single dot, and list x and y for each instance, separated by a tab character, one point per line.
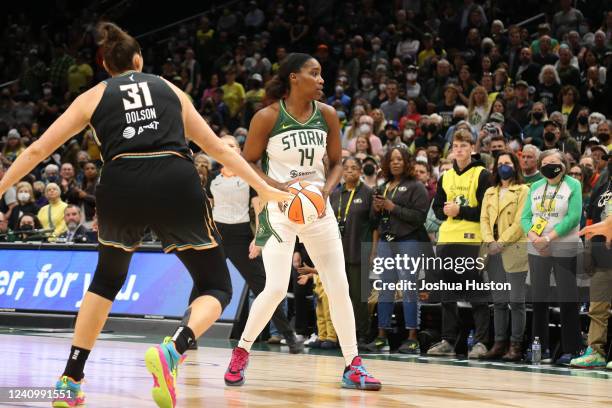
296	149
139	115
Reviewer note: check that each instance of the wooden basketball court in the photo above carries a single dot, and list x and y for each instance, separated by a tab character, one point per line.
116	377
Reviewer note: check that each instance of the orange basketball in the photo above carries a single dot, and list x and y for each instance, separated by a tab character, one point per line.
307	205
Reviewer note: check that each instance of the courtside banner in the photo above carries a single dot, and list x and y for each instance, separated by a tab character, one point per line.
56	280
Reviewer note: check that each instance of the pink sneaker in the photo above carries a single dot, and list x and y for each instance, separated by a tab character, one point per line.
355	376
234	376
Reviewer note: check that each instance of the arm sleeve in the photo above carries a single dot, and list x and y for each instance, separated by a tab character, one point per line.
439	200
527	214
473	213
574	211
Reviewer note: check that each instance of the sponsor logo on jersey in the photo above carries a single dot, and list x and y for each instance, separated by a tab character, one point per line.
129	132
357	201
295	173
402	188
153	126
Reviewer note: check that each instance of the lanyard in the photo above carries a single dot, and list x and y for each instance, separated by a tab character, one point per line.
348	205
392	193
550	203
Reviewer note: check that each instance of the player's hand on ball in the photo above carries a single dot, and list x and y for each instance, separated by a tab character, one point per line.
270	193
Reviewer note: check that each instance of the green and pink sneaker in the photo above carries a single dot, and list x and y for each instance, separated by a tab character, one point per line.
590	359
68	393
162	362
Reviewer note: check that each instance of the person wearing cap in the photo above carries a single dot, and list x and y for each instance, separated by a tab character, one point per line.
522	106
393	135
234	97
14	145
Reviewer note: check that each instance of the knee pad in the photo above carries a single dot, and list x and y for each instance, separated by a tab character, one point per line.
224	296
106	286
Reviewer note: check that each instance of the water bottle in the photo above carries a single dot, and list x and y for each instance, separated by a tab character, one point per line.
470	340
536	351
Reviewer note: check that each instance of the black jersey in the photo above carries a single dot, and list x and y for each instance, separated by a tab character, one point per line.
139	114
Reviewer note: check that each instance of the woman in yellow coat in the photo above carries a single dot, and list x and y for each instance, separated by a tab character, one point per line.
505	243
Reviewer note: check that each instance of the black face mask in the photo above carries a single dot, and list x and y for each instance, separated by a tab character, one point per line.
27	227
455	120
368	169
549	137
583	120
603	137
432	128
551	170
610	168
538	115
496	153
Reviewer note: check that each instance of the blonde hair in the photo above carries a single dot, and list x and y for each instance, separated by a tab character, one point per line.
25	185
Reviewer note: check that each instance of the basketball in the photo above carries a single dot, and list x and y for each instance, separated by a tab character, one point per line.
308	204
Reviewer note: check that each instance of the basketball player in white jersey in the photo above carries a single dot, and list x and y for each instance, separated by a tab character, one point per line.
290	137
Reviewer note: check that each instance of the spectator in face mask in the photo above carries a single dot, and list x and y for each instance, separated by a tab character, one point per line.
370	169
430	131
413	88
29	222
533	133
603	134
366	125
25	204
51	174
581	132
367	90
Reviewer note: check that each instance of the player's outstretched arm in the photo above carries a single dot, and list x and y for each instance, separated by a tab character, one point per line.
71	122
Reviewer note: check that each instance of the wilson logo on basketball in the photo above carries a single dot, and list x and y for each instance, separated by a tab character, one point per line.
307	205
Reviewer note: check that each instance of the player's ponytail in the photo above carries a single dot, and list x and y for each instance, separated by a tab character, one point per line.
118	47
279	85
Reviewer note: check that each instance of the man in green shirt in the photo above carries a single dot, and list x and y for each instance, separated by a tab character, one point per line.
529	164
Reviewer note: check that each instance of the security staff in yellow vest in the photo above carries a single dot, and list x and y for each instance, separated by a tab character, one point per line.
457	202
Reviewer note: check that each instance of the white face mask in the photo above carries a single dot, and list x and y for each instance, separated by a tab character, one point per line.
593	128
411	76
23	197
366	81
375	47
514	146
408	134
365	129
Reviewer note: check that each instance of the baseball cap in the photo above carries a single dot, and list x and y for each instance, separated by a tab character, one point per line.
257	77
496	117
393	124
603	148
13	134
521	83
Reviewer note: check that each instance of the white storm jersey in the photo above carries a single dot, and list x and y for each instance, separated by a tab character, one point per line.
296	150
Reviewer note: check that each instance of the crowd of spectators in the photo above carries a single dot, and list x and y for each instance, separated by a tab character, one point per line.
405	73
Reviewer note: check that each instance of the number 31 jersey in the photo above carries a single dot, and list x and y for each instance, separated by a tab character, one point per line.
296	149
139	115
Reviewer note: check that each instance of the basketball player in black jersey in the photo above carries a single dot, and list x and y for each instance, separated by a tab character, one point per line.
140	122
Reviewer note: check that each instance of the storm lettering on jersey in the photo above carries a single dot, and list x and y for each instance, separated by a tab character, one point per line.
304	138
